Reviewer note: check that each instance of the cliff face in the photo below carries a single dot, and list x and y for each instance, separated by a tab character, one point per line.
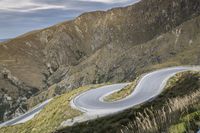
100	47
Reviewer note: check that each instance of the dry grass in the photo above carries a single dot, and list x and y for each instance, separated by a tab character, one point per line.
156	121
50	118
179	77
127	90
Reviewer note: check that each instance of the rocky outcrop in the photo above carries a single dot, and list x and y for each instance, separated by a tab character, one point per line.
13	95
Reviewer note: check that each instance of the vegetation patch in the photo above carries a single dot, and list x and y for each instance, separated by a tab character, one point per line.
178	128
187	123
50	118
126	91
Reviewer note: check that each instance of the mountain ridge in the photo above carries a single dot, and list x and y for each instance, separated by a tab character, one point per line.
3	40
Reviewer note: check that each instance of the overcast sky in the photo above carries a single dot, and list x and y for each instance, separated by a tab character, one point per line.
20	16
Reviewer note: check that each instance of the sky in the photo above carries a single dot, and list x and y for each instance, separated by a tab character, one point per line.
20	16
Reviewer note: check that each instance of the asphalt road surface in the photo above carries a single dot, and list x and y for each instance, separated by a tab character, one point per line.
150	86
27	116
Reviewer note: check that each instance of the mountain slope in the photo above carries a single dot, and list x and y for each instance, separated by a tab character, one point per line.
96	47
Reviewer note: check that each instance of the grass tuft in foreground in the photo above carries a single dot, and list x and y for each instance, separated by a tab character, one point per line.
154	121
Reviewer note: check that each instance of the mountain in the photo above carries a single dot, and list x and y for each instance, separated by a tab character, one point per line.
2	40
96	47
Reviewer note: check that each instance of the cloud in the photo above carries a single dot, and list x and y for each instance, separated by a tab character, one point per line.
26	6
34	5
107	1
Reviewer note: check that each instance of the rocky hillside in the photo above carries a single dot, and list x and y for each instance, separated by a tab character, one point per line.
96	47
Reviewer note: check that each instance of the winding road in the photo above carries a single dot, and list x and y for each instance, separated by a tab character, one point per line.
92	102
150	86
